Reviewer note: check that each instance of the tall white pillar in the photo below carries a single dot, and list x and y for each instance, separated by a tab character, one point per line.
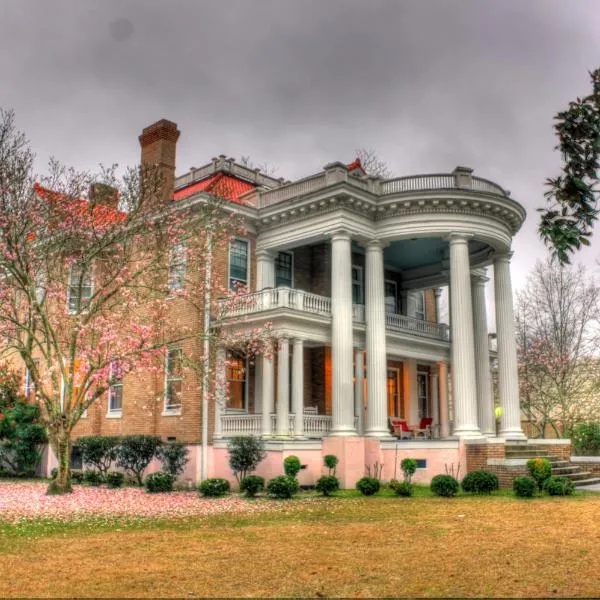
443	398
341	335
220	390
464	391
268	390
258	385
508	375
283	388
298	387
376	350
359	390
265	269
411	396
435	400
483	374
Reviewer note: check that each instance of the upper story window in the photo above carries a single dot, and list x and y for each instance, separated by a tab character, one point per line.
177	263
80	288
391	296
40	286
416	304
357	285
115	390
238	264
173	379
236	380
284	269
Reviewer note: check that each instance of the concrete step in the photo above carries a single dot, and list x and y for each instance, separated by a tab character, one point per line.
583	483
523	454
579	476
565	470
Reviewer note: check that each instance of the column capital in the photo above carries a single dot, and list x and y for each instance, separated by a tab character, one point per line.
266	254
458	238
340	235
479	277
503	256
375	245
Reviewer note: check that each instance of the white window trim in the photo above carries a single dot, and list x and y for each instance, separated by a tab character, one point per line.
175	411
361	281
291	253
69	310
114	413
243	410
183	262
240	239
425	374
421	295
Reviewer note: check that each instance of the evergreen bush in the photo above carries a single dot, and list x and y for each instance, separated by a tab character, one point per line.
444	485
540	469
291	465
327	485
92	477
98	451
173	457
401	488
559	486
135	452
283	486
251	485
245	454
115	479
159	482
524	487
215	487
368	485
480	482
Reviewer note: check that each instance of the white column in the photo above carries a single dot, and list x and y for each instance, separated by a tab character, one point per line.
283	388
485	408
444	418
258	385
376	350
411	396
463	352
221	390
265	269
435	401
341	335
268	390
359	390
298	387
508	378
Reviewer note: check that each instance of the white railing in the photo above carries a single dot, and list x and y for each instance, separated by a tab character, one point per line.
304	186
358	313
417	326
484	185
241	424
317	425
416	183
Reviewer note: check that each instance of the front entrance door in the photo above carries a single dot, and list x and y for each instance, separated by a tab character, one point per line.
393	393
422	394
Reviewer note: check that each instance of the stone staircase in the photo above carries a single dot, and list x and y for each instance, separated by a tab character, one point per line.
576	474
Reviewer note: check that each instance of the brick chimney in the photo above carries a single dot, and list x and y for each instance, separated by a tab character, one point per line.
101	193
159	142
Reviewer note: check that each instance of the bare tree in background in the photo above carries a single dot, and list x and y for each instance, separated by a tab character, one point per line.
373	164
265	167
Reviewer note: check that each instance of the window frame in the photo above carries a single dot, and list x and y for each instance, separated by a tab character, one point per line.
244	358
74	311
425	376
385	296
360	282
172	409
420	297
291	255
176	279
246	284
114	412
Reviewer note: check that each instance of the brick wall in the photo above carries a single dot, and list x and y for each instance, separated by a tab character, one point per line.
592	467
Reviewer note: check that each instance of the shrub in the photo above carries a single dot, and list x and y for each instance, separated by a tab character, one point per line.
524	487
115	479
283	486
159	482
92	477
135	453
331	462
409	467
559	486
213	488
540	469
444	485
401	488
251	485
291	466
173	457
245	454
586	439
54	473
76	475
480	482
327	485
368	485
98	451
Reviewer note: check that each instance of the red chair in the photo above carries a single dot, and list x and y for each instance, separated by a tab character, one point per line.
424	427
400	428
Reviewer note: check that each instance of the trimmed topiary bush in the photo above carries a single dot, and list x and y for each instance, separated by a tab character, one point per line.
135	453
559	486
368	485
245	454
215	487
91	477
409	467
444	485
283	486
524	487
251	485
291	465
327	485
159	482
540	469
98	451
401	488
115	479
331	462
480	482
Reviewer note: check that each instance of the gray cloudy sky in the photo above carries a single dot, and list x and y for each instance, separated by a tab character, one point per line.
298	83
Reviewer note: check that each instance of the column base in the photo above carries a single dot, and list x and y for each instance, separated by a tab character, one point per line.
467	432
378	433
342	433
512	434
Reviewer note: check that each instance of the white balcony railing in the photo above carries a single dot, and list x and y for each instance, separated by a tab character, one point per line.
417	326
241	424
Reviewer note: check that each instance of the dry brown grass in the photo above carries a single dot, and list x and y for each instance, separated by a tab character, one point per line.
346	547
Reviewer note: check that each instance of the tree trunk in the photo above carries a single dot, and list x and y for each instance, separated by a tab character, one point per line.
60	440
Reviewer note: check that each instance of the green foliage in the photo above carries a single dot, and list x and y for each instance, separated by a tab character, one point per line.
159	482
586	439
215	487
92	477
76	475
135	453
524	487
368	485
567	222
327	485
540	469
331	462
444	485
21	431
283	486
401	488
409	468
115	479
559	486
98	451
251	485
291	465
245	454
480	482
173	457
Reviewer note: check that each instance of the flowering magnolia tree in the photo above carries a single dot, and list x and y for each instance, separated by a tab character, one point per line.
557	337
94	271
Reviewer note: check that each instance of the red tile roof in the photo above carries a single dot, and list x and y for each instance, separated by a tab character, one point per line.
219	184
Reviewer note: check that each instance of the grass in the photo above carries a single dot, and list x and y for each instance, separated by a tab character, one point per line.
344	546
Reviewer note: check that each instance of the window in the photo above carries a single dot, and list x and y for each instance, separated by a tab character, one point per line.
357	285
40	286
236	380
28	384
416	304
80	288
391	303
173	379
177	262
238	263
79	372
422	395
284	269
115	389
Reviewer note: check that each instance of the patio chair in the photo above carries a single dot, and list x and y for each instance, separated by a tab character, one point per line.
400	428
423	429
